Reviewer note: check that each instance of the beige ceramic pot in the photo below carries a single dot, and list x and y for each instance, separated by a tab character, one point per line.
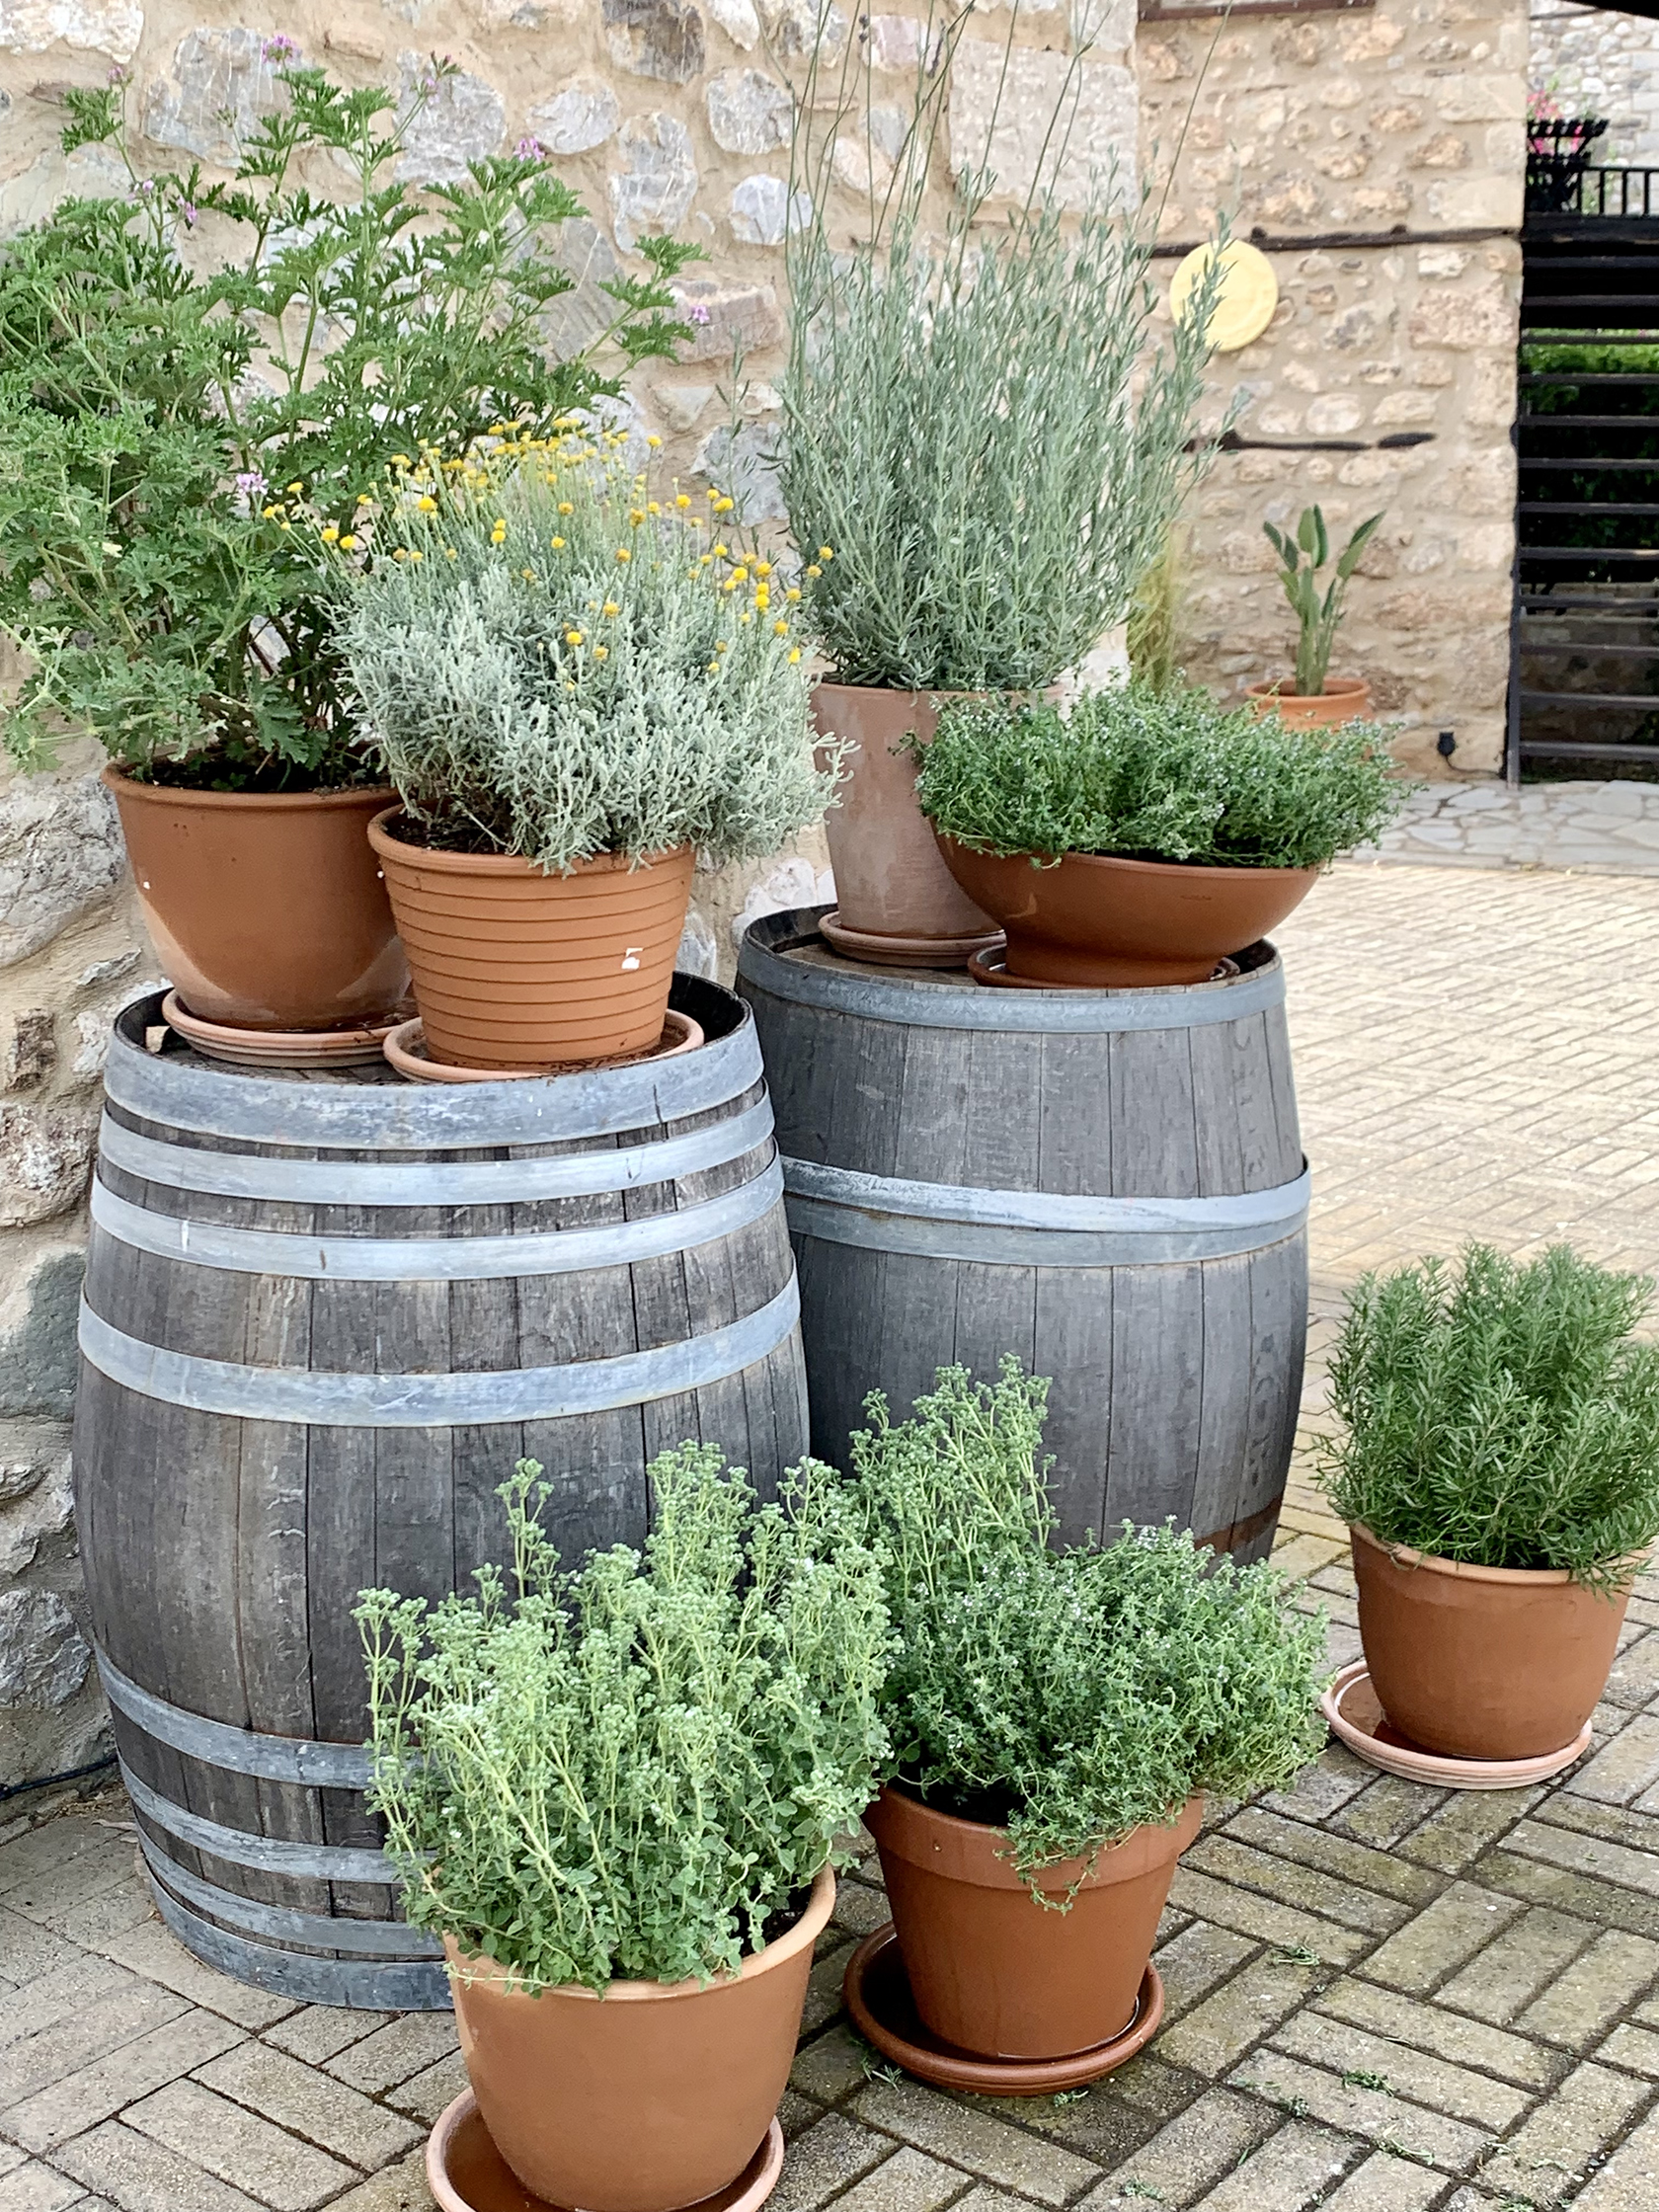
648	2097
1345	699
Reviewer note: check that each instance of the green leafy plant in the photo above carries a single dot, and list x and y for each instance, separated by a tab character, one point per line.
626	1771
1068	1696
1500	1413
1300	559
158	422
1154	775
554	663
1153	623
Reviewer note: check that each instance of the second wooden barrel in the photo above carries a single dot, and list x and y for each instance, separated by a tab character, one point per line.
323	1319
1110	1184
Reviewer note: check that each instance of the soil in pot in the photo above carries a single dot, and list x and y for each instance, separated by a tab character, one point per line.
993	1971
1345	699
266	909
1483	1662
1121	925
518	969
650	2097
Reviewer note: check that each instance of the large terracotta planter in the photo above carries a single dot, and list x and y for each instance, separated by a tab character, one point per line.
993	1971
266	909
648	2097
1345	699
890	881
1483	1662
1121	923
515	969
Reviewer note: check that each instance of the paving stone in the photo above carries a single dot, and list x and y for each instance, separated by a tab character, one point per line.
1469	1821
1588	1855
1153	2087
1633	1825
1442	2086
29	1951
1549	2157
1448	2035
1344	1860
1263	1918
1216	2033
239	2148
1618	1773
824	1987
45	1849
796	2113
111	1913
1578	1894
87	2033
1292	2170
395	2188
1101	2125
1323	1788
1634	1679
1308	2091
1387	1811
98	2091
987	2147
859	1909
904	2183
78	1979
1502	1980
1191	1963
69	1884
1636	2049
1302	1887
154	1952
304	2099
1442	1937
10	2157
1188	2154
1386	2183
1629	2181
823	2161
406	2045
425	2096
139	2175
319	2031
832	2065
34	2187
1599	1985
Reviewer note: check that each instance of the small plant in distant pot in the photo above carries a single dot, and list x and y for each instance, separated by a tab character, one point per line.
576	690
1313	696
615	1794
1056	1716
1147	835
1499	1466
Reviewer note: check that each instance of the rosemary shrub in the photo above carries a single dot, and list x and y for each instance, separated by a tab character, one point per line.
623	1772
553	663
1070	1695
1500	1413
1150	774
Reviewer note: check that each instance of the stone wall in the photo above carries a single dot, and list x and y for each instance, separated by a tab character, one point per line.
1599	61
1408	117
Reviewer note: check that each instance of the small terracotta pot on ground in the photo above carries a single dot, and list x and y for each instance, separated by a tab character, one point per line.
1117	924
651	2096
517	969
993	1971
266	909
890	881
1345	699
1483	1662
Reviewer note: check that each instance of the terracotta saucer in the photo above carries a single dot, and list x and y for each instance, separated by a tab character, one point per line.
406	1048
1351	1707
991	967
878	1996
351	1045
465	2171
905	952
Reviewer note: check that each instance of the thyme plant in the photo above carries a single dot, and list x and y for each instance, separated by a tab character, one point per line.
1070	1695
625	1770
157	421
555	664
1500	1413
1151	774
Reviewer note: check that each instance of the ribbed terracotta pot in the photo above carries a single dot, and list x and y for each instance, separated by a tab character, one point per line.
1345	699
890	881
515	969
1483	1662
1117	924
649	2097
992	1971
266	909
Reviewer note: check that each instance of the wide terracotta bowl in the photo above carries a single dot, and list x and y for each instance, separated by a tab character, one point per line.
1345	699
1120	925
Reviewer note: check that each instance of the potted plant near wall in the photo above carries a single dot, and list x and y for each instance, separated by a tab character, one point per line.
1055	1717
1498	1465
614	1794
1148	833
1312	696
575	688
180	365
984	451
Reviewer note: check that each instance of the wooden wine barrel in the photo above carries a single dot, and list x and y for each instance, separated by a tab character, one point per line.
1109	1184
323	1318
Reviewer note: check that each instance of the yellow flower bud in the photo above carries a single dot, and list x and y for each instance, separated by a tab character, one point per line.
794	653
557	543
348	543
622	553
780	628
426	503
682	501
824	554
573	637
653	442
602	653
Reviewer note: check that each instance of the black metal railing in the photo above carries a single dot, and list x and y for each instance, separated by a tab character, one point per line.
1557	158
1609	194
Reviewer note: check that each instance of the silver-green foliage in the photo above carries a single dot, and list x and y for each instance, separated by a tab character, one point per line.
515	714
1301	558
622	1772
1154	774
1070	1696
1499	1413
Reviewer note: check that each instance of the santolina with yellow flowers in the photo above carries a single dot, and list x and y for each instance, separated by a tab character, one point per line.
578	683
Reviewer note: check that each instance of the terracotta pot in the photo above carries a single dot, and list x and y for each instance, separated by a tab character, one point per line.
996	1973
1345	699
648	2097
266	909
890	881
1119	923
519	970
1483	1662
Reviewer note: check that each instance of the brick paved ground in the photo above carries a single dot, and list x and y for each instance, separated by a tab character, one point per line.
1382	1998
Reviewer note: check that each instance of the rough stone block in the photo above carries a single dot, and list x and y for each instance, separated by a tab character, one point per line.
584	115
763	210
462	118
720	313
748	112
655	189
661	38
108	27
1000	108
1479	315
61	853
45	1726
222	84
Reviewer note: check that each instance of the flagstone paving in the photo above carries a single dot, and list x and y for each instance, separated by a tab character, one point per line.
1380	1997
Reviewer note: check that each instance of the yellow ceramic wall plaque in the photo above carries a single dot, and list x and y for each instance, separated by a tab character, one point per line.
1250	293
